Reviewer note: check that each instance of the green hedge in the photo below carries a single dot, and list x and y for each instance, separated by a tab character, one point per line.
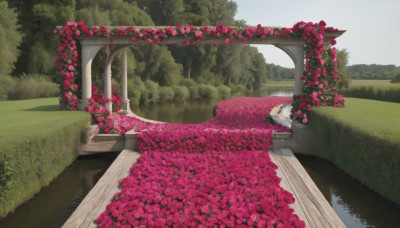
37	142
363	141
389	92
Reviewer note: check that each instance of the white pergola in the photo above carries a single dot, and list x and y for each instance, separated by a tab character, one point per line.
294	47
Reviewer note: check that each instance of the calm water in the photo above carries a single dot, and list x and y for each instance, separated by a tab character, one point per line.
355	204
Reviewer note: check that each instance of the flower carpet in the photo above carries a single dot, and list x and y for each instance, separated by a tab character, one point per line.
212	174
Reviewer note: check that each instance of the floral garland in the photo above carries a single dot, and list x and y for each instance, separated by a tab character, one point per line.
320	79
320	75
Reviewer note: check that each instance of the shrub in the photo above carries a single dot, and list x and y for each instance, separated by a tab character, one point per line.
166	94
151	93
36	148
396	78
33	86
188	82
224	91
237	89
181	93
194	91
378	92
208	91
136	90
7	84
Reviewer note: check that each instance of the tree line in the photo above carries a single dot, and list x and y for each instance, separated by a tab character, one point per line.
372	71
239	67
29	48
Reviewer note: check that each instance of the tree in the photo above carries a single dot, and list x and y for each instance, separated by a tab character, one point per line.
38	19
163	12
10	38
342	58
396	78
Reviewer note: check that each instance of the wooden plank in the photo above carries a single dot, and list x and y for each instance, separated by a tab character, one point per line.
102	193
322	202
311	205
301	211
285	185
300	189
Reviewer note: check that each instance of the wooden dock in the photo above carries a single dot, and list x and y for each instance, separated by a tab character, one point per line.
101	194
310	204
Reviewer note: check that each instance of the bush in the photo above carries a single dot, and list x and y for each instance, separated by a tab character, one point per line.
371	154
136	90
151	93
382	93
181	93
194	92
208	91
237	89
7	84
33	86
36	148
166	94
188	82
396	78
224	91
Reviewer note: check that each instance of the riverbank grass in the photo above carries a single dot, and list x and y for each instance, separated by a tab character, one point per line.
363	140
37	141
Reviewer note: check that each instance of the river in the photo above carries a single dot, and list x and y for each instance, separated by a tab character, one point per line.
354	203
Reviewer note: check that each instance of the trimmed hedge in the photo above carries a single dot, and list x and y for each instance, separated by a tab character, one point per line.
369	153
33	156
390	94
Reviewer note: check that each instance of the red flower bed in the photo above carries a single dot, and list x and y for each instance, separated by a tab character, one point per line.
222	189
196	138
240	124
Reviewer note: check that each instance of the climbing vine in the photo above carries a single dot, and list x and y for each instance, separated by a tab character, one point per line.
320	78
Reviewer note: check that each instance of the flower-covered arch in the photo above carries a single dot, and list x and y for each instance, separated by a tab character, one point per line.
310	46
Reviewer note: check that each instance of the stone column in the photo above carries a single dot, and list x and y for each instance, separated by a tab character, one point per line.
299	70
88	54
296	53
124	81
107	77
107	86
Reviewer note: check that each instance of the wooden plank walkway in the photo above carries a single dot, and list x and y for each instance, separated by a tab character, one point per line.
102	193
310	205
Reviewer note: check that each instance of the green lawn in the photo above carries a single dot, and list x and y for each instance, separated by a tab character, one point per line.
23	118
376	118
279	84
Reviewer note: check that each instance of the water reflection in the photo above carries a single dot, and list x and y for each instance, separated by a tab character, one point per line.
52	206
278	92
354	203
194	111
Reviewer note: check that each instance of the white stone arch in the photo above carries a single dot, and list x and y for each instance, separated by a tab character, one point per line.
294	47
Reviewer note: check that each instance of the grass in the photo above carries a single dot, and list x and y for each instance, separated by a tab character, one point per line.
376	118
279	84
21	119
37	142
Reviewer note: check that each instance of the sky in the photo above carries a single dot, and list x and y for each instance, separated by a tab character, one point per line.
372	27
